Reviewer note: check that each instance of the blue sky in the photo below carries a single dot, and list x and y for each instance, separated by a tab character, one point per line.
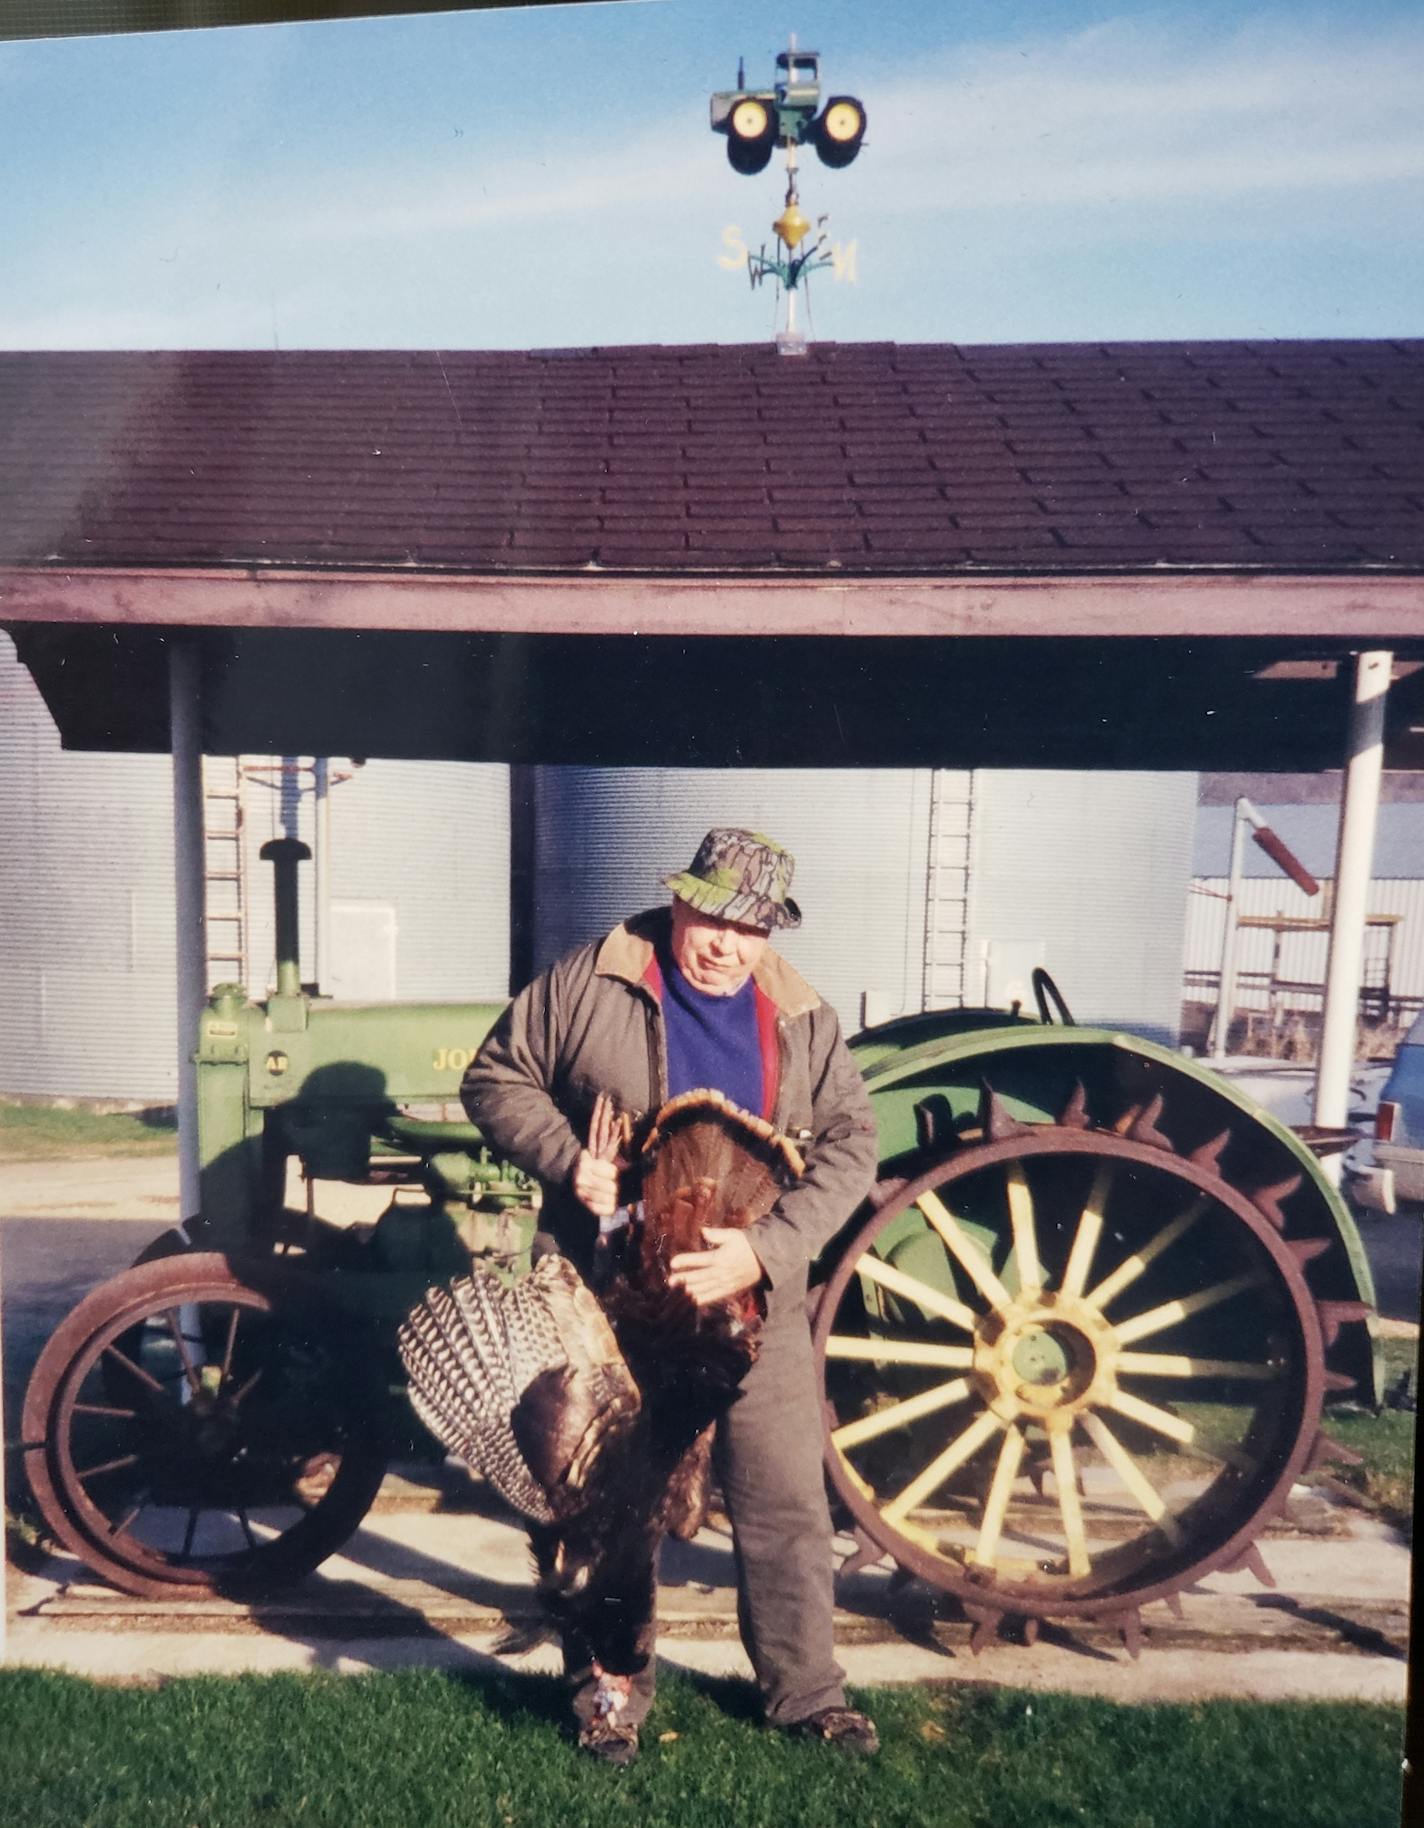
546	177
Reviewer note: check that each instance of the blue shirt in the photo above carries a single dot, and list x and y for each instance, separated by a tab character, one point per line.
711	1041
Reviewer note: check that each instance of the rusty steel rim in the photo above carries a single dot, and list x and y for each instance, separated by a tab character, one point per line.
187	1431
1066	1434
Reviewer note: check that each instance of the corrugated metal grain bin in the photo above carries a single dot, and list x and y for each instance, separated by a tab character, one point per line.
1087	875
419	876
86	911
605	837
419	891
920	888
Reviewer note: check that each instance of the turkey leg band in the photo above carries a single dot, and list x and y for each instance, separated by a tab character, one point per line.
677	998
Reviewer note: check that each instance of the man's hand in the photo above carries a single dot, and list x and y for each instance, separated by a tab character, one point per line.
595	1183
730	1266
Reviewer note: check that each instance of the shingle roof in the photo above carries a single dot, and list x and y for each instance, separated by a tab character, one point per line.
873	458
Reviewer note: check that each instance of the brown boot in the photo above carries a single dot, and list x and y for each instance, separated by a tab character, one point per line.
606	1740
839	1726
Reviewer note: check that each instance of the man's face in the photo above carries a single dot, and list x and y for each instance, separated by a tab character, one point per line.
715	956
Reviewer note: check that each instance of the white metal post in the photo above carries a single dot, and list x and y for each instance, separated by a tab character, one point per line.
1226	989
321	972
1359	811
185	722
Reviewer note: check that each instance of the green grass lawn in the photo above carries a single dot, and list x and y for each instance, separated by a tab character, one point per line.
42	1133
423	1750
1384	1441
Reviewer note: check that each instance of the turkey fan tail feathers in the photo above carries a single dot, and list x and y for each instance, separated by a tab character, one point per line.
525	1384
708	1162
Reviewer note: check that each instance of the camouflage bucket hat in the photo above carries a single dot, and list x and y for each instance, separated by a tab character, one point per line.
739	875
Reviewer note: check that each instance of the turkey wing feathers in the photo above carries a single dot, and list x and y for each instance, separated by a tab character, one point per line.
525	1384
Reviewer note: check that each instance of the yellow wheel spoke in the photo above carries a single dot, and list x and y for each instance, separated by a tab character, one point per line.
1159	1420
1132	1475
1127	1272
896	1415
1090	1229
944	1307
997	1504
1065	1477
1021	1221
899	1351
958	1241
939	1469
1171	1364
1157	1320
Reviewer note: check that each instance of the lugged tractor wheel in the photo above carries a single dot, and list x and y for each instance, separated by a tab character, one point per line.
195	1429
1069	1371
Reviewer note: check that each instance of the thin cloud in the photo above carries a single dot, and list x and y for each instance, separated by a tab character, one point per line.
1110	116
1119	114
998	162
566	183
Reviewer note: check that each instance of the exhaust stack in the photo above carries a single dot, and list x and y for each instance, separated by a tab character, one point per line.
285	854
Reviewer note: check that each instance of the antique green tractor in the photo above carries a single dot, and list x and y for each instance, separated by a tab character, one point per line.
1076	1347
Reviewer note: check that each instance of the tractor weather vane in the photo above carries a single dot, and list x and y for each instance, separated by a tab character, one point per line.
788	114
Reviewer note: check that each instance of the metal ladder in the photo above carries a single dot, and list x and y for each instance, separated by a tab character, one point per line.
225	868
951	836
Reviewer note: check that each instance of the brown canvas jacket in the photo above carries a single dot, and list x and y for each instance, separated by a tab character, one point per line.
592	1023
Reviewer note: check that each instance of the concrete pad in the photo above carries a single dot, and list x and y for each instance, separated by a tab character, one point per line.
1160	1675
140	1187
145	1187
450	1588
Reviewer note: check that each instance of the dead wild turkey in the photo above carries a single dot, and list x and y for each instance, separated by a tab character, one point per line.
593	1415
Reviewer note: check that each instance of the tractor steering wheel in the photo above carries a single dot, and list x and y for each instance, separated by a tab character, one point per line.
1046	992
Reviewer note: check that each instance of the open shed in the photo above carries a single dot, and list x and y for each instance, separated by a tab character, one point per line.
1097	556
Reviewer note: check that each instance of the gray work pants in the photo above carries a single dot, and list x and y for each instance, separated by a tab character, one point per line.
768	1459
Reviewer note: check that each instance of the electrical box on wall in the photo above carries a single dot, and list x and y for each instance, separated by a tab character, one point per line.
1008	970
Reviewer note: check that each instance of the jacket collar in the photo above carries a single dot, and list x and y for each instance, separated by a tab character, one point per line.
628	950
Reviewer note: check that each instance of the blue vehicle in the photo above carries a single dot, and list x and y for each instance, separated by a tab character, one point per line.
1392	1176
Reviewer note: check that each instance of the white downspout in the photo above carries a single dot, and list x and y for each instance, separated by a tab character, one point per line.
1359	811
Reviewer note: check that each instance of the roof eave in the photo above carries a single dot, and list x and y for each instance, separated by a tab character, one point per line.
1364	604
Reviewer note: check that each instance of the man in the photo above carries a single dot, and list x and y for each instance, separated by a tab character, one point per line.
674	999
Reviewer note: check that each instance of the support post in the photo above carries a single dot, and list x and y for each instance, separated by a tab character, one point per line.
321	968
1354	859
185	722
1226	988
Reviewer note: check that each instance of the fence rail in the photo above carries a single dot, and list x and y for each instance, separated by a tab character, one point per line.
1282	948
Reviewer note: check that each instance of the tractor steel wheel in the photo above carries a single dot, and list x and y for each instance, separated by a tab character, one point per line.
195	1428
1068	1372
